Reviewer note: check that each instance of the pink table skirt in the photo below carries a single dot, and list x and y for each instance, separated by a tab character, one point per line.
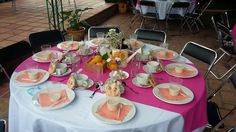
233	33
194	113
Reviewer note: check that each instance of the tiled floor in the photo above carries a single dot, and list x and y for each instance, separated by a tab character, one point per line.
31	16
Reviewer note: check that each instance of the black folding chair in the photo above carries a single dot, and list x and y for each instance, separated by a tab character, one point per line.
148	15
232	79
3	125
192	19
136	13
226	45
230	18
92	31
51	37
11	56
151	35
172	16
200	52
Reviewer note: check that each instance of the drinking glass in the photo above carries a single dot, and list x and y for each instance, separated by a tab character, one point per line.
68	37
99	79
164	45
75	63
45	47
135	66
100	35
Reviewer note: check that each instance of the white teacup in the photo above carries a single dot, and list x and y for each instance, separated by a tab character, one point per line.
61	68
70	57
113	104
145	55
33	74
84	49
142	78
179	69
82	80
152	66
162	52
174	90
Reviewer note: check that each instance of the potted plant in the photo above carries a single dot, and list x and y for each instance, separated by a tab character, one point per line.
76	26
122	6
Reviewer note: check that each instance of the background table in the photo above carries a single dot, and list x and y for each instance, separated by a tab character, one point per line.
164	5
24	117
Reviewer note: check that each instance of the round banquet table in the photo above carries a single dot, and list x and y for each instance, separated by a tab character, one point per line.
151	115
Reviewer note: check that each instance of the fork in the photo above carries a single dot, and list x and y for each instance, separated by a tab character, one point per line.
97	88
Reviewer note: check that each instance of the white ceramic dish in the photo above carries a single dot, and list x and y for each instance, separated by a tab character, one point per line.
90	84
58	86
101	101
134	81
64	74
92	44
35	58
45	77
89	52
68	42
126	75
166	85
172	65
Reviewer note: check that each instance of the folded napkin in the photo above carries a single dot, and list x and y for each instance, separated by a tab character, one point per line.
72	46
97	41
169	54
45	56
24	77
164	92
45	99
186	72
118	115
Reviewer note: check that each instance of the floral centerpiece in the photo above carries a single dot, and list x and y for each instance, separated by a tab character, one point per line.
114	38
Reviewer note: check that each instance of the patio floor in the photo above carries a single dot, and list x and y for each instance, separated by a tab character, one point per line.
30	16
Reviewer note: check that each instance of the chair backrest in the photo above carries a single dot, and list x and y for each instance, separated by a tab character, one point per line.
3	125
149	4
201	7
232	78
92	31
133	5
152	35
11	56
201	53
178	5
51	37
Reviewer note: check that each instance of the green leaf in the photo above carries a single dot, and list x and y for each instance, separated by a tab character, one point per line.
105	56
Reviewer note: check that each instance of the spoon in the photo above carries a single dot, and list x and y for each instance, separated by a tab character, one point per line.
97	88
124	84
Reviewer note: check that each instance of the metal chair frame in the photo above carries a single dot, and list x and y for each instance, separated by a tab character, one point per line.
96	29
193	18
136	13
150	31
210	63
5	124
182	5
148	15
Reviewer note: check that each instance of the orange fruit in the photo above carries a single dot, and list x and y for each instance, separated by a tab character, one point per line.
112	66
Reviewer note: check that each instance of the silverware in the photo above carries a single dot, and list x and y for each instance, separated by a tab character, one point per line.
124	84
97	88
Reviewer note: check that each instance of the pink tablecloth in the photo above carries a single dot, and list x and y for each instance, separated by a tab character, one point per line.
233	32
194	113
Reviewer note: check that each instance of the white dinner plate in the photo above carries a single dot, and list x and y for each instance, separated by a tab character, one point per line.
101	101
35	58
45	77
92	43
134	81
126	75
166	85
189	67
69	43
57	86
175	54
64	74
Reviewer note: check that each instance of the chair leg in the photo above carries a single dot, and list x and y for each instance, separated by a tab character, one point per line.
13	5
5	72
132	21
141	25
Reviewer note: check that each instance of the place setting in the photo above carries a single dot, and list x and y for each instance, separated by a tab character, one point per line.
52	95
69	45
152	67
59	69
78	80
47	56
181	70
99	40
31	76
164	54
113	109
144	80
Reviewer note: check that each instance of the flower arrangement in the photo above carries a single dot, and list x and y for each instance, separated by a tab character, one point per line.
114	38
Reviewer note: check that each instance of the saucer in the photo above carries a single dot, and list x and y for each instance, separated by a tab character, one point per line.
126	75
64	74
64	61
145	68
134	81
90	84
88	53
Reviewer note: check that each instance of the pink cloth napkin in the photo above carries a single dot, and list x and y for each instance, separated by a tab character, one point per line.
72	46
24	77
186	72
46	101
164	92
119	114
